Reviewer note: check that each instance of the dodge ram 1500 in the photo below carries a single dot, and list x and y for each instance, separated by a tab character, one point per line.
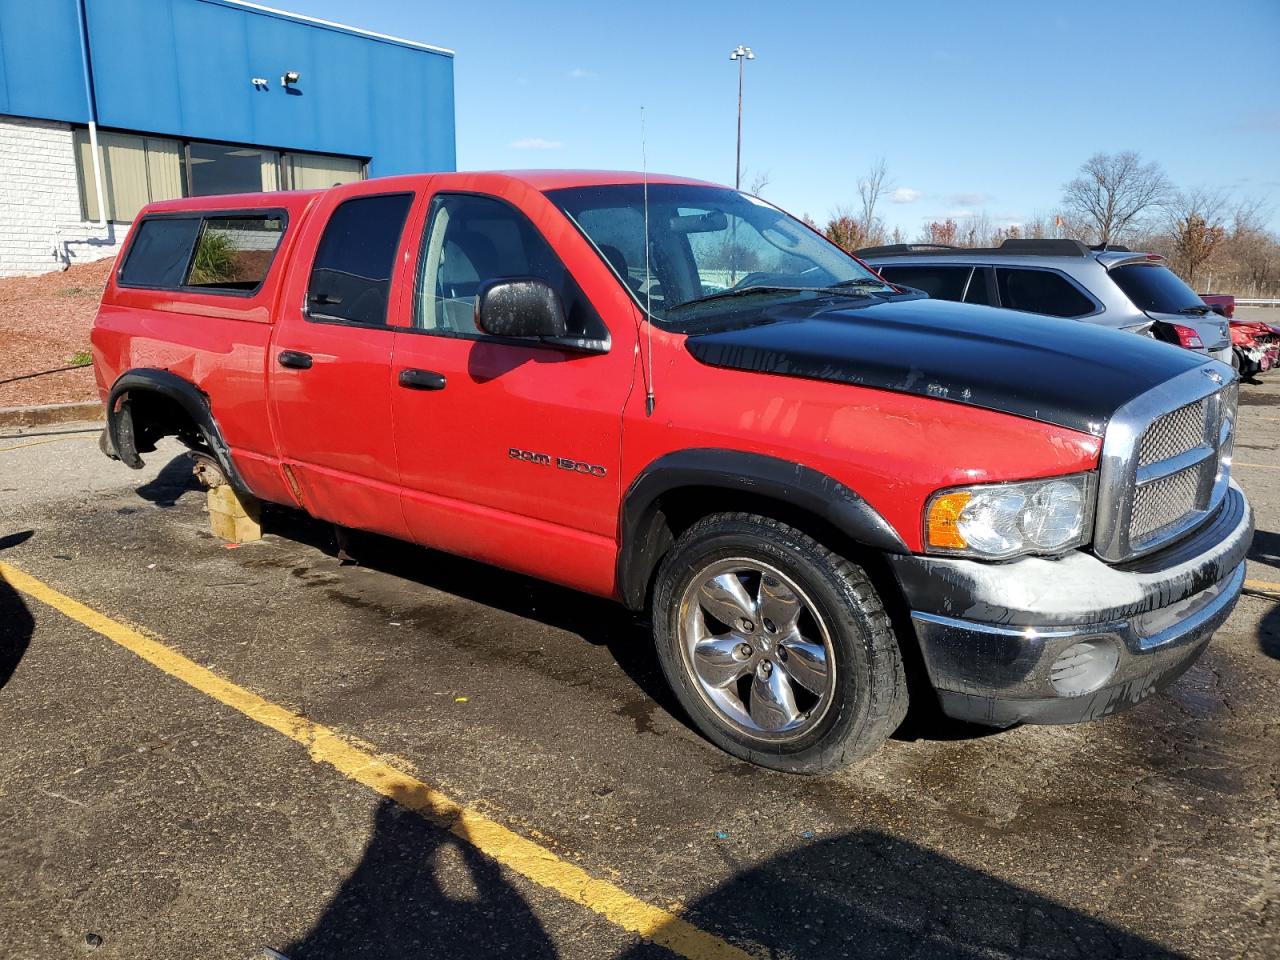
676	395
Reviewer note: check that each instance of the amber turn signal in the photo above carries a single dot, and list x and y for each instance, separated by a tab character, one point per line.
944	513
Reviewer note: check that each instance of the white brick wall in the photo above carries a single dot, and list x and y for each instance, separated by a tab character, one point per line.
40	224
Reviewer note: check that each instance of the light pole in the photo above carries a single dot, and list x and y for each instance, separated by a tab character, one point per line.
742	55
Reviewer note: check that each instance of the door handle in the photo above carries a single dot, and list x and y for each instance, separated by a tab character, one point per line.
422	379
294	360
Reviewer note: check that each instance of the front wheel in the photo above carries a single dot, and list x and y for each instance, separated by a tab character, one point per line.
779	649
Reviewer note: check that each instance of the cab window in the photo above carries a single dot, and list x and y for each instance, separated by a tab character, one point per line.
351	276
471	240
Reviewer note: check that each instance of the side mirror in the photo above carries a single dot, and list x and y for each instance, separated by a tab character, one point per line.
520	307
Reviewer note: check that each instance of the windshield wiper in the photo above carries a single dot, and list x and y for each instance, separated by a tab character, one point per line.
1195	309
861	282
738	292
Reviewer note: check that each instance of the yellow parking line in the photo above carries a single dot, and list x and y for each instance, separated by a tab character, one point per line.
326	746
1262	585
1264	466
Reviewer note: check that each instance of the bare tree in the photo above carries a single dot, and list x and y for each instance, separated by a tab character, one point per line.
855	227
757	183
1012	232
1196	229
1251	252
874	185
1113	192
976	230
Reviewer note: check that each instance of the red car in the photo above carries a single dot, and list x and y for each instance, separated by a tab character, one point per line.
676	395
1255	346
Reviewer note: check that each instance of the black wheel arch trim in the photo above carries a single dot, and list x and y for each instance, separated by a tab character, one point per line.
193	401
645	537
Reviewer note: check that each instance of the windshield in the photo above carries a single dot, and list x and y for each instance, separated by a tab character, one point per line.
708	246
1156	289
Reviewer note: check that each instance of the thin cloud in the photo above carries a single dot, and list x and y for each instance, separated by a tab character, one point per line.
580	73
536	143
969	199
905	195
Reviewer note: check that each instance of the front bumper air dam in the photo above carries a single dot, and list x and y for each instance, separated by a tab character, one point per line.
991	634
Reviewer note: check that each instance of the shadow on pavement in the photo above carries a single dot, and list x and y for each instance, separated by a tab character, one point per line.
16	623
597	621
860	894
1269	632
170	483
1265	548
868	895
402	901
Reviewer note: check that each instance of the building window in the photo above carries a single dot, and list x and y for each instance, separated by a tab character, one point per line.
314	171
215	168
137	170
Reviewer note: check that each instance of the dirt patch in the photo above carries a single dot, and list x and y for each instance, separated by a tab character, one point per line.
44	330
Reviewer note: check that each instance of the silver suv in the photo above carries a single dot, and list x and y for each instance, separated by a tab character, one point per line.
1112	286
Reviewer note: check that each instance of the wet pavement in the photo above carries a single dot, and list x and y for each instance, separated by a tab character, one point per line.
139	817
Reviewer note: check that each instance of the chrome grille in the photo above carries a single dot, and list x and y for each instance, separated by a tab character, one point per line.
1163	503
1175	434
1166	463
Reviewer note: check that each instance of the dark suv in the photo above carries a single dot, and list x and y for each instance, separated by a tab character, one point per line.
1112	287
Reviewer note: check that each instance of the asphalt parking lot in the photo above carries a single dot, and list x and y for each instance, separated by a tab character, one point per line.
206	752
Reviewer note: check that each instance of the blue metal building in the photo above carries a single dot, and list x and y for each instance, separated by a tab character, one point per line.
193	97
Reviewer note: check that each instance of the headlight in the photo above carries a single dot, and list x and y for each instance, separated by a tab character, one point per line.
996	521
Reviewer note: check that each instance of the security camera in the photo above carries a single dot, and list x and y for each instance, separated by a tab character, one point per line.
290	78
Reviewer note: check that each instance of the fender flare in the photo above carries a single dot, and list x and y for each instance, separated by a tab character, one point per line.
195	403
644	537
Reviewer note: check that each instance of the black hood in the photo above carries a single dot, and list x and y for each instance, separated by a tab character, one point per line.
1064	372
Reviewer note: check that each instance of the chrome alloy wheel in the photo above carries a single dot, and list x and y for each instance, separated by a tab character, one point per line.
761	655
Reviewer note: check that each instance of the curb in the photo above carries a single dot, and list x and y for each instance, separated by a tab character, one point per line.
50	413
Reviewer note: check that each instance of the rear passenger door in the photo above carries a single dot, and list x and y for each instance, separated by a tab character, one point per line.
1042	291
330	366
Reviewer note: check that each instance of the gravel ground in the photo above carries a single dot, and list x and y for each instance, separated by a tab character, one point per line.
44	323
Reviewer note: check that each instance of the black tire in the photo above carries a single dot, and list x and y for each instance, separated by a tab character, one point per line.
868	693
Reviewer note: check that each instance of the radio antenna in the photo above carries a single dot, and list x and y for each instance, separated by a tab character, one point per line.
649	399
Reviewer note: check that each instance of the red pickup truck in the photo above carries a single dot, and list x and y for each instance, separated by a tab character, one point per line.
676	395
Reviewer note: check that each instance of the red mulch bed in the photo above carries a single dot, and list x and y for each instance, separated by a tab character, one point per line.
44	323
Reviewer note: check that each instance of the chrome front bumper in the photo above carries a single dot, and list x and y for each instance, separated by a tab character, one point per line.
992	635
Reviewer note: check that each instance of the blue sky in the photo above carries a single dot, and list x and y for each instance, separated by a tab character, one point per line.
974	107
